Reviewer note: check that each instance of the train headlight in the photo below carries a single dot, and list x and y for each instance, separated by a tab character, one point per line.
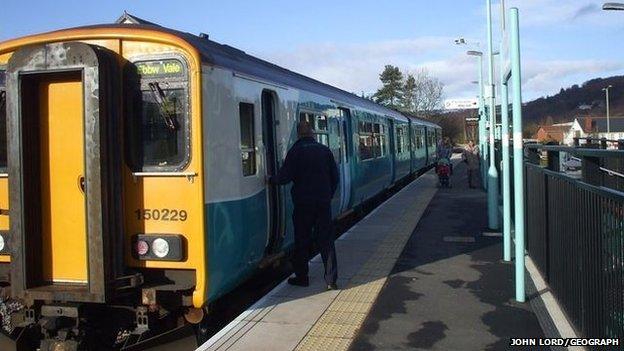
160	248
142	247
2	243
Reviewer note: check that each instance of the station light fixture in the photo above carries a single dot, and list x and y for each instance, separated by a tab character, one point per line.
613	6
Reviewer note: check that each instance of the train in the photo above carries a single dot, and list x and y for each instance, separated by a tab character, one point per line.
133	167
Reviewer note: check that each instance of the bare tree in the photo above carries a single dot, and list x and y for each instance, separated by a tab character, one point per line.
428	93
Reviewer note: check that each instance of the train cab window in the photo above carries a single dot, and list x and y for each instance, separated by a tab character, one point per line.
3	140
247	135
157	114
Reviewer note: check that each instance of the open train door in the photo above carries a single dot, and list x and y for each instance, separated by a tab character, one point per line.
64	172
345	162
275	193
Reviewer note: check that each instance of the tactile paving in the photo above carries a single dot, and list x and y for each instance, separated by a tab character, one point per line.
321	343
333	330
350	306
339	317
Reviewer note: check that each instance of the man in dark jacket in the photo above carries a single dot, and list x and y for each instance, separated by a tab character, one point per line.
312	169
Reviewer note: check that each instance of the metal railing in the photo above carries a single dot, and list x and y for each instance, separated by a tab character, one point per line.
599	143
575	233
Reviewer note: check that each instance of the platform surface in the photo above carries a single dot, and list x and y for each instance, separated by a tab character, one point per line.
416	273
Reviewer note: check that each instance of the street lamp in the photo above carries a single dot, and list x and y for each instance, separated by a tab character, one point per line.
606	90
613	6
492	189
482	117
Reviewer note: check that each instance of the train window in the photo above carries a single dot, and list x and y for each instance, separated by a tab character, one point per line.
365	131
321	133
321	123
399	140
380	139
372	140
319	126
248	142
162	137
3	140
307	117
336	146
157	128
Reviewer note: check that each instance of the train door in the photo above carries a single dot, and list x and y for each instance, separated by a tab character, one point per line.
64	174
344	163
275	203
393	139
410	142
427	148
61	171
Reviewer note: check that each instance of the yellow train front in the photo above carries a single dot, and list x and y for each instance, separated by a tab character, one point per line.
102	182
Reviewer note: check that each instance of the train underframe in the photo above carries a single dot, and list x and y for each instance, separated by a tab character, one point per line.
138	317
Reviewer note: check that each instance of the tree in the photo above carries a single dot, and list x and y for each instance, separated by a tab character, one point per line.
428	94
409	93
392	85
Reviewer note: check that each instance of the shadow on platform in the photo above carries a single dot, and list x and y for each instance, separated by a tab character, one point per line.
449	290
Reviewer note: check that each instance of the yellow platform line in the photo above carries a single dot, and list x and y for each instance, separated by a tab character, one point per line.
339	325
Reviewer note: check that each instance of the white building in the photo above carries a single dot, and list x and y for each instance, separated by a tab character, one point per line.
595	127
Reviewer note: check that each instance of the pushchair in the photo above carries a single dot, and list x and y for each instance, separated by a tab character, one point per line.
443	170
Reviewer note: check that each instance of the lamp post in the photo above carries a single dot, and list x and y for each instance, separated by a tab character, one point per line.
613	6
482	116
492	189
606	90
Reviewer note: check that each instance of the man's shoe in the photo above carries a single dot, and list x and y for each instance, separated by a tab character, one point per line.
332	286
299	281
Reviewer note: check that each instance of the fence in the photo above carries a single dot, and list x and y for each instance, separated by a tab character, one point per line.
575	234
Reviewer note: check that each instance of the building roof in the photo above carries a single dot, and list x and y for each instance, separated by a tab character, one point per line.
599	124
127	18
566	124
555	128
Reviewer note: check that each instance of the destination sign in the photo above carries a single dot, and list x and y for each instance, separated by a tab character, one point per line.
160	68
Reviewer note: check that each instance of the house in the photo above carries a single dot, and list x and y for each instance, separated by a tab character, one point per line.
555	132
583	127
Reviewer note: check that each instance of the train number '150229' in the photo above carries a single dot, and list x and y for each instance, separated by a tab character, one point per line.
164	214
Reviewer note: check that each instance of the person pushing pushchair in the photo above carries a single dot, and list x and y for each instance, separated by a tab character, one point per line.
444	167
443	170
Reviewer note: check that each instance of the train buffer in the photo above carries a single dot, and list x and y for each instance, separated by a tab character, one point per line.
419	272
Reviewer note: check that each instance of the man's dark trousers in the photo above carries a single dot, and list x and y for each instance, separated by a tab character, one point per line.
317	216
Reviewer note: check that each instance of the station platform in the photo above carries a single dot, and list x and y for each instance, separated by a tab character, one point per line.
417	273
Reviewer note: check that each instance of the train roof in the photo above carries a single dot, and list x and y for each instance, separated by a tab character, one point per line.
226	56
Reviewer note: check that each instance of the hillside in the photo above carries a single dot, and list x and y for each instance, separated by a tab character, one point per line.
587	99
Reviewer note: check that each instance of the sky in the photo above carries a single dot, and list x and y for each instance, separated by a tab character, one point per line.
347	43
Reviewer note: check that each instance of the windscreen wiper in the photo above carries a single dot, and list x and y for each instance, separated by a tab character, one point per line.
167	110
